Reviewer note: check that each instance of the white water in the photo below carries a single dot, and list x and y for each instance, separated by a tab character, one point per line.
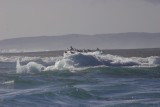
85	60
30	67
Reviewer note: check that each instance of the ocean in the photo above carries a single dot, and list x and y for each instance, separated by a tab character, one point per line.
79	80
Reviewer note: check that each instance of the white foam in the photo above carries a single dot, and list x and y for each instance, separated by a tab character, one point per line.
85	60
14	58
31	67
27	59
8	82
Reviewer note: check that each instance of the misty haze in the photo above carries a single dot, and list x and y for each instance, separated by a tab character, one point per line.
103	41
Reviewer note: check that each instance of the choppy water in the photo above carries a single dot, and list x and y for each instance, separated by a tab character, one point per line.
81	80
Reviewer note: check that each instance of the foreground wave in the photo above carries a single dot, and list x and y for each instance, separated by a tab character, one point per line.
95	87
80	61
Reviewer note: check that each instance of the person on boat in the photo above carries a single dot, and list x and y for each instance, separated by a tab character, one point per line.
88	50
98	49
71	48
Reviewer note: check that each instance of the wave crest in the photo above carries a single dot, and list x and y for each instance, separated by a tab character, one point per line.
81	60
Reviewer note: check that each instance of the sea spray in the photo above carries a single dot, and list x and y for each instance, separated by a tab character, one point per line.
85	60
31	67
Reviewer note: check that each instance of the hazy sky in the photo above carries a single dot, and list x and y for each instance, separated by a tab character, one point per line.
19	18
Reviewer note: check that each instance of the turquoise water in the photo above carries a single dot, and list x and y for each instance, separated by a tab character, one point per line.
93	87
118	84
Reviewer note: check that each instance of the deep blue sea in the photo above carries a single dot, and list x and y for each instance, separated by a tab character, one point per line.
79	80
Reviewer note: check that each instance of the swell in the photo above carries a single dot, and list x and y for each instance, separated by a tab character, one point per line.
98	86
79	61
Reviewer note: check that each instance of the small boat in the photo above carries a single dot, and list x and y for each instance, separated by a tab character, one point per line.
72	51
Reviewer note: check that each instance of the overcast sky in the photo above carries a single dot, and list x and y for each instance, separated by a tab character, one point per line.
21	18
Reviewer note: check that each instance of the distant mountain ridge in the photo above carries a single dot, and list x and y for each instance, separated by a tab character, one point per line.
104	41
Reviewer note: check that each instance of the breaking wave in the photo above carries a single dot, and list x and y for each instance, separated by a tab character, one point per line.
30	67
85	60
